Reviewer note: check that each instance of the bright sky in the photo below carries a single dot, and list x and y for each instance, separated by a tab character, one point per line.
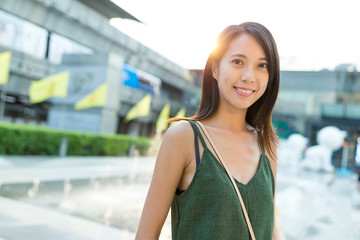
310	34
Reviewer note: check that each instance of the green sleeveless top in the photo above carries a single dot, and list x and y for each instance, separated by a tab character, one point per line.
210	209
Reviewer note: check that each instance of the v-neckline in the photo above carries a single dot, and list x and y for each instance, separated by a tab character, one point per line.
236	180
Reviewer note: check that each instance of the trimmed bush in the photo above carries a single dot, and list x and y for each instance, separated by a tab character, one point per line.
34	140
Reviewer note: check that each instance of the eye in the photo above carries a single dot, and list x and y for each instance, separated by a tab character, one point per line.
237	61
263	65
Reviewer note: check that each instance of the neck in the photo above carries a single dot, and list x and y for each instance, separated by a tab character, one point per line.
231	120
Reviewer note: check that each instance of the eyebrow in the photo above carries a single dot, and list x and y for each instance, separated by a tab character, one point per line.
243	56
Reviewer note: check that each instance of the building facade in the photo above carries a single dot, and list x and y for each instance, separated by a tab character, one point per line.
46	36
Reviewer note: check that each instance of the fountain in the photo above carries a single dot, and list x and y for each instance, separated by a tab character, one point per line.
318	157
34	189
291	151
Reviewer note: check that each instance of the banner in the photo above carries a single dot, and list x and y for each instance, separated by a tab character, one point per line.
4	67
95	98
161	123
181	113
141	109
53	86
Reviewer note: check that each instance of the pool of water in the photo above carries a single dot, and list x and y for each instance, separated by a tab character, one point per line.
113	201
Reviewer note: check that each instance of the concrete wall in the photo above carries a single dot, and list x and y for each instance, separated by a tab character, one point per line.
82	24
86	74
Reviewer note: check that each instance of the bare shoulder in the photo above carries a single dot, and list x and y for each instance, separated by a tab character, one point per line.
179	140
180	132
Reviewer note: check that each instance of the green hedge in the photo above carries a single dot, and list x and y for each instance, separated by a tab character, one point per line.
34	140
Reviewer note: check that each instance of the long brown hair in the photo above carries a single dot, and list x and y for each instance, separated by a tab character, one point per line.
259	114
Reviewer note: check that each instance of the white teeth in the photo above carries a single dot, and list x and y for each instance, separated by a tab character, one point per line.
244	91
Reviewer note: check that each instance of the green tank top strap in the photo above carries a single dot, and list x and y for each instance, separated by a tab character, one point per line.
194	126
261	143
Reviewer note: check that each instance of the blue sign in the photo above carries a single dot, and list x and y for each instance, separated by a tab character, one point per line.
130	77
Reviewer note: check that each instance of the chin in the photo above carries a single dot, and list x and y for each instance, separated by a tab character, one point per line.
241	107
245	105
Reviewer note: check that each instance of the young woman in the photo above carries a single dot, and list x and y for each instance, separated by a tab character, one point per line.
239	90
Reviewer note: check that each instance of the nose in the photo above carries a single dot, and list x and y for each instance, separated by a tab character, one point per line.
248	75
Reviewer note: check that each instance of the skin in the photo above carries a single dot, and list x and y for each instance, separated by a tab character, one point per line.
243	66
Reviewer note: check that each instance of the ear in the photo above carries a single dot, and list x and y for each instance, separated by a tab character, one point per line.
215	70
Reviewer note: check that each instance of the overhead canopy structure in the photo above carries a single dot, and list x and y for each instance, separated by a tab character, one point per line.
109	9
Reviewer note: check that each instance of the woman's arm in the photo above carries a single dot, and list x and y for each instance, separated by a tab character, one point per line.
173	157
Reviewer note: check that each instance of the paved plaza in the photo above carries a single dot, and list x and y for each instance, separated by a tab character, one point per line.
102	197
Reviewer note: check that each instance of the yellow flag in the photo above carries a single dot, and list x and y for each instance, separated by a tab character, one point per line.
4	67
53	86
141	109
181	113
95	98
161	123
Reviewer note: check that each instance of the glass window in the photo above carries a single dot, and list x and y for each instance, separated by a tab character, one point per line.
60	45
26	37
18	34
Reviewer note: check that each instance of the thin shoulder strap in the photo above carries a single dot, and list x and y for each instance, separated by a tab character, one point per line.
195	128
197	154
231	178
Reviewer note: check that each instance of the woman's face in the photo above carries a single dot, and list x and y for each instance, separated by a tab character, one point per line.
242	73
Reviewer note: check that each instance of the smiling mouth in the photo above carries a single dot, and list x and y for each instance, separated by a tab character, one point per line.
245	91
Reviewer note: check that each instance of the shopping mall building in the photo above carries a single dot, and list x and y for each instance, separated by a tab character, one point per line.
49	36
